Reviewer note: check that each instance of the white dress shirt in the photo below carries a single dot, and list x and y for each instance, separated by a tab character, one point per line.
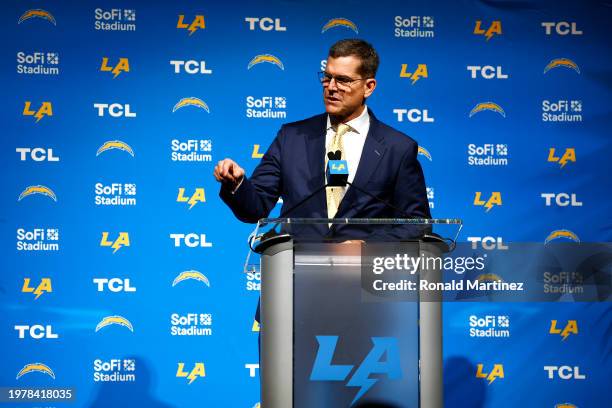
353	140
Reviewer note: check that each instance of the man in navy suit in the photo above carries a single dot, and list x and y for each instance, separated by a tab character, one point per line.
381	160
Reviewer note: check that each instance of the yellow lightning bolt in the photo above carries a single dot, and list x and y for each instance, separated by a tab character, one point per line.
39	115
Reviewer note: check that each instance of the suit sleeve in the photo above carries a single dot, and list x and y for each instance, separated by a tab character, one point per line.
410	191
257	195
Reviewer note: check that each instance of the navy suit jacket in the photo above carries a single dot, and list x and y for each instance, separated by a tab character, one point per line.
294	167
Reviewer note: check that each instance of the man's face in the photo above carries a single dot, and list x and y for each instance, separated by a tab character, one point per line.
345	100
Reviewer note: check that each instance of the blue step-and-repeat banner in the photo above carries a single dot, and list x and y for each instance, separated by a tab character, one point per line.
122	270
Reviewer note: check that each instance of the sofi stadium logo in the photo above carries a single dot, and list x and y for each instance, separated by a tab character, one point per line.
488	30
414	115
488	154
38	239
265	24
555	156
115	194
562	110
490	374
115	19
431	195
198	371
116	67
191	23
191	150
191	199
373	363
253	281
191	324
414	73
38	63
266	107
489	326
487	201
37	289
564	330
561	28
38	111
114	370
414	26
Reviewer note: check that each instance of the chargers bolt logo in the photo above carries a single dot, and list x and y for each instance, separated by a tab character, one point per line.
191	101
340	22
191	274
562	62
35	368
42	190
114	320
422	151
269	58
561	233
115	144
490	106
37	13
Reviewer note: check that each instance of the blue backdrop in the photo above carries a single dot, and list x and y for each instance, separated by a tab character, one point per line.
507	99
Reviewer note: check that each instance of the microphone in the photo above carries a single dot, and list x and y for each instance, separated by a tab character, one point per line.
337	170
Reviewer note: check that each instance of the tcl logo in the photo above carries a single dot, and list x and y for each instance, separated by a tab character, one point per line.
190	67
115	110
36	331
564	372
561	199
413	115
488	243
113	285
265	24
486	72
36	154
191	240
561	28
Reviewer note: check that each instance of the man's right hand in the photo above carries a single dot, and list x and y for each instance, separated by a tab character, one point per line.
229	173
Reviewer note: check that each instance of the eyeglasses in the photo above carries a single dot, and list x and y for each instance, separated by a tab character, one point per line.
342	81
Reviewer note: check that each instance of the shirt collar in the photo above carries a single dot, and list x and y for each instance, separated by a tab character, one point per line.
359	124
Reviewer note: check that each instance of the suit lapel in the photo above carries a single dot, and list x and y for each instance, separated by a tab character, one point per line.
315	151
373	151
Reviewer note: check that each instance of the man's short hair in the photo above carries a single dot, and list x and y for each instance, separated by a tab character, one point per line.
360	49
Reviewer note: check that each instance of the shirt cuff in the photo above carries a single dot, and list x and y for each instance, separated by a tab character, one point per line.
237	187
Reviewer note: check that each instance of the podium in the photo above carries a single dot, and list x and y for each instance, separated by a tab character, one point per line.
327	339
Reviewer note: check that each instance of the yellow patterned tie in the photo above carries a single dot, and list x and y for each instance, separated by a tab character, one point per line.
335	194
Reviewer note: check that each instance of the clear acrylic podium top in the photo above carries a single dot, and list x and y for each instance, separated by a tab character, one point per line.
270	231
